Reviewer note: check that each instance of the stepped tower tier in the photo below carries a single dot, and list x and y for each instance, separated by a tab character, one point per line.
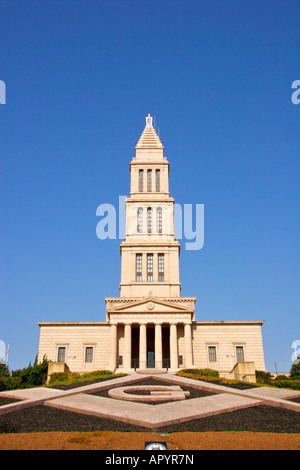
149	317
149	253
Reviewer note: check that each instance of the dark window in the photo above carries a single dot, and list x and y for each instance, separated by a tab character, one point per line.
149	219
212	356
157	180
150	268
240	354
159	220
61	356
140	220
161	268
138	268
149	180
89	354
141	179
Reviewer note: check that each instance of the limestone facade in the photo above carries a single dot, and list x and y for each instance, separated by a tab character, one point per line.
150	325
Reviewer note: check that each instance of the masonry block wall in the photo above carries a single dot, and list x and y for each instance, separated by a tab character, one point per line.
76	337
226	337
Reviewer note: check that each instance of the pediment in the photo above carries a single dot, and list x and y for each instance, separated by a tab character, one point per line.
150	305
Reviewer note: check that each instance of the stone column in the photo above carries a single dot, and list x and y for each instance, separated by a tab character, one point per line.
143	346
113	347
158	346
127	346
173	346
188	348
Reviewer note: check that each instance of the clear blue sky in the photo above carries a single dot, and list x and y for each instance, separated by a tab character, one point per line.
80	78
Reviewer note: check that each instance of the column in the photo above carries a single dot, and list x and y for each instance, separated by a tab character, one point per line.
173	346
188	348
158	346
143	346
113	347
127	346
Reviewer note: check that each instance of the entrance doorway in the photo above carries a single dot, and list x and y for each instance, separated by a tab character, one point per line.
166	347
135	350
150	356
150	347
150	359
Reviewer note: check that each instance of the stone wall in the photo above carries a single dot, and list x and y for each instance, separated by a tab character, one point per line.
226	336
75	337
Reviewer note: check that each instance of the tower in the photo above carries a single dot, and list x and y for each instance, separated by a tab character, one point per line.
150	324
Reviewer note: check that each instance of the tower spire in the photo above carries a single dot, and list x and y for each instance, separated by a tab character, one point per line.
149	138
149	121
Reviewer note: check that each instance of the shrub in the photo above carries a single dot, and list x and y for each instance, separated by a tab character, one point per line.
31	376
62	378
263	377
10	383
58	377
4	371
281	377
36	375
295	371
202	372
99	372
293	384
3	384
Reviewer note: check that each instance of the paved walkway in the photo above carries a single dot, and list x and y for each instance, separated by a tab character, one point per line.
78	400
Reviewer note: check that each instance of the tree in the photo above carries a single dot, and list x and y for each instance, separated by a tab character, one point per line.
35	375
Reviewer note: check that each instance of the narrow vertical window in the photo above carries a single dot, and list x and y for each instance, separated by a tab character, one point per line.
140	220
150	268
212	356
88	354
149	180
149	219
240	354
141	180
138	268
61	354
159	220
161	268
157	180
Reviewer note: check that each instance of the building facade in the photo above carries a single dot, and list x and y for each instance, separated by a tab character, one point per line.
150	325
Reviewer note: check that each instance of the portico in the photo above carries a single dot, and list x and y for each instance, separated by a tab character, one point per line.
150	345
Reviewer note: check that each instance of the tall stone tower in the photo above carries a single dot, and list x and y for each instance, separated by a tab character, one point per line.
150	320
150	325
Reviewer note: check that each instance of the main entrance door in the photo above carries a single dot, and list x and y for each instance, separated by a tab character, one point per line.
150	359
150	347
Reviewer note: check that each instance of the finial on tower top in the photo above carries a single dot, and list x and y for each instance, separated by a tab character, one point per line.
149	121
